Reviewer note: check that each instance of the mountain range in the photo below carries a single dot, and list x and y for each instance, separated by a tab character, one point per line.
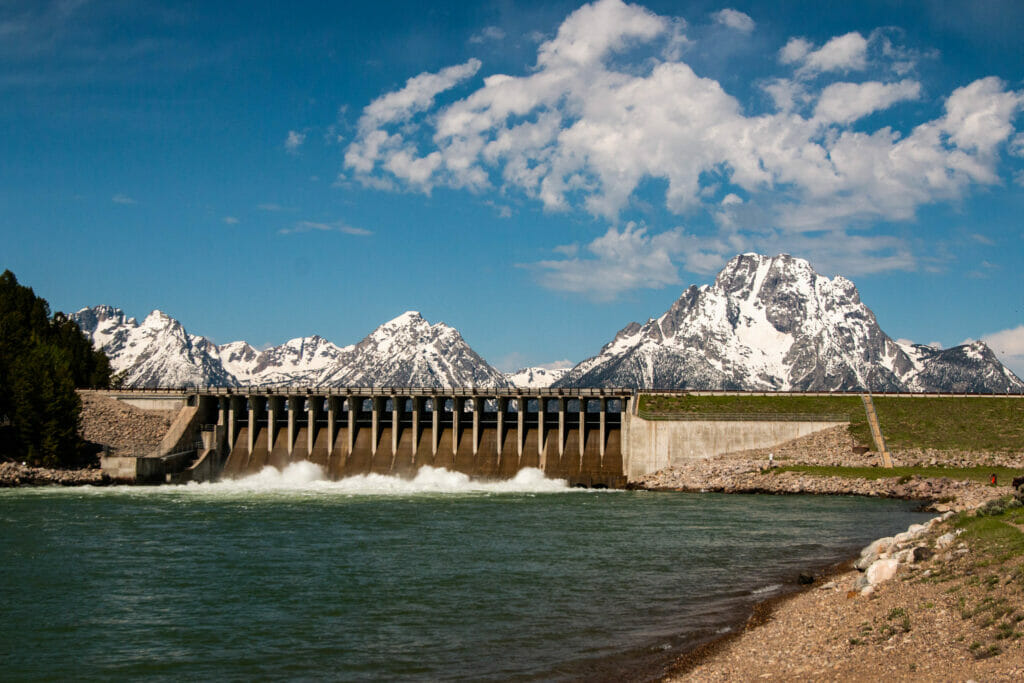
766	323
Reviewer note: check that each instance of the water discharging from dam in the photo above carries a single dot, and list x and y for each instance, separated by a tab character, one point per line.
575	439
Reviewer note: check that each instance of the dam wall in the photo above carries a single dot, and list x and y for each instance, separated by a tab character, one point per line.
589	437
568	434
657	444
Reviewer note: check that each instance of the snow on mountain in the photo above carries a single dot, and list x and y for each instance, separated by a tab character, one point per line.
406	351
765	324
409	351
305	360
155	352
534	378
773	323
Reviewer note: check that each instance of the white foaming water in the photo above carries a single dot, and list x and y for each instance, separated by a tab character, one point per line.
771	588
309	477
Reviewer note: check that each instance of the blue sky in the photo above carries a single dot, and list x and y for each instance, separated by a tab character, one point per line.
536	174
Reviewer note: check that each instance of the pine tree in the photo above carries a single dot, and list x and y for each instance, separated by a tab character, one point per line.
42	361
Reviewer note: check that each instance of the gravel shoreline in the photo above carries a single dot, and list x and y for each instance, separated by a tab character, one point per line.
929	621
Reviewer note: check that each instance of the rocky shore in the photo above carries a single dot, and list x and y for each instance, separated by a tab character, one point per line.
927	604
923	605
112	425
16	474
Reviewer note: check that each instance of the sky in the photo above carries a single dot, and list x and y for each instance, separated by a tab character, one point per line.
535	174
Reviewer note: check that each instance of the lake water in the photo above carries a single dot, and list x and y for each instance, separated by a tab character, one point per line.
371	578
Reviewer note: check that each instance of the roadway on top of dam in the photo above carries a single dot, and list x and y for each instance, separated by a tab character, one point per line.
512	392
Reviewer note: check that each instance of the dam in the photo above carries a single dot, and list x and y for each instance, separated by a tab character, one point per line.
574	435
588	437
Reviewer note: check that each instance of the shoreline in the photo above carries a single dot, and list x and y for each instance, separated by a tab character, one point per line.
831	612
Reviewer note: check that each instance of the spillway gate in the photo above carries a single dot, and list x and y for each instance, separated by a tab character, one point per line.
571	434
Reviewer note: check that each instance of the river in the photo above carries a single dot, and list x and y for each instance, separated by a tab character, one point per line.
285	575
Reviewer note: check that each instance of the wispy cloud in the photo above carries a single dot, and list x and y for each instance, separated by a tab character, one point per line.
230	220
294	141
273	207
122	199
313	226
734	19
488	34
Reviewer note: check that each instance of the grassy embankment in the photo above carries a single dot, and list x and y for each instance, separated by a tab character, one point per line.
989	589
973	424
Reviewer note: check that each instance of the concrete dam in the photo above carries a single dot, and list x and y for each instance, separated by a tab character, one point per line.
588	437
569	434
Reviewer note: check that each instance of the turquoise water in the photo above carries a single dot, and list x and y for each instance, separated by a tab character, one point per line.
376	579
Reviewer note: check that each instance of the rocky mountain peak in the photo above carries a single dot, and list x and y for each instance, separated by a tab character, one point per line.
773	323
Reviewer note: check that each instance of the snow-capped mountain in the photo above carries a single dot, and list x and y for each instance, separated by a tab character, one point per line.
156	352
406	351
765	324
535	378
409	351
773	323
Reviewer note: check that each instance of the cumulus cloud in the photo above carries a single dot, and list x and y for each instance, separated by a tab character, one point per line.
609	104
734	19
313	226
843	53
621	260
847	102
576	131
1008	345
294	140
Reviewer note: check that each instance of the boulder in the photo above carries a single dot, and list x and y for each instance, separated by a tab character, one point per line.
944	541
871	553
882	570
921	553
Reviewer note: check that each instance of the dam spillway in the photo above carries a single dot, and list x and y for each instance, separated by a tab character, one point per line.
574	435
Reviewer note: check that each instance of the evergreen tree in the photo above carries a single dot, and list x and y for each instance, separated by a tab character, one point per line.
42	361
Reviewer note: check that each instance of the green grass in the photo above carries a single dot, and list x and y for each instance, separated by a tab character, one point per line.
975	424
846	407
969	424
981	474
995	535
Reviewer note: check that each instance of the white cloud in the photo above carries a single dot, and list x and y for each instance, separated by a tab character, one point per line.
604	110
843	53
294	140
847	102
1017	145
563	364
122	199
734	19
488	34
1008	345
271	206
625	260
417	95
230	220
795	50
313	226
